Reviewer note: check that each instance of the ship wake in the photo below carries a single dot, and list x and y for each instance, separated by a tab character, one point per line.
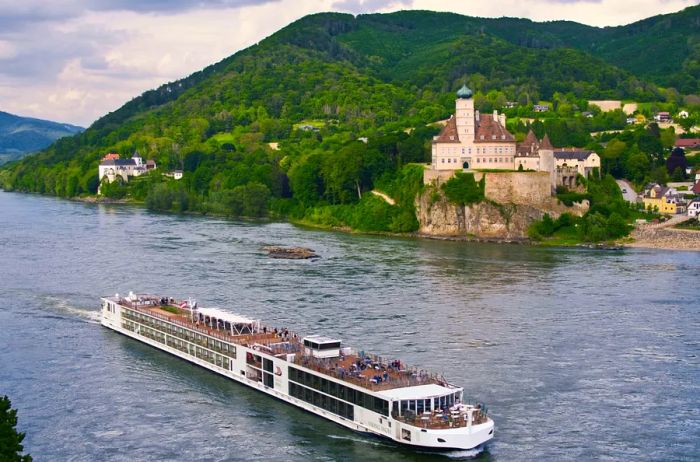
64	308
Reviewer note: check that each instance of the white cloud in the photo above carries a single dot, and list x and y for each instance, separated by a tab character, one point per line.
592	12
74	61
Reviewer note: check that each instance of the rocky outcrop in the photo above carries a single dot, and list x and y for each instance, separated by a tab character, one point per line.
484	220
290	253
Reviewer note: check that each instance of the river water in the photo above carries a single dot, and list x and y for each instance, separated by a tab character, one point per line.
578	354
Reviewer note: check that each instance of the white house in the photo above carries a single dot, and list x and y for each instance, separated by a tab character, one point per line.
584	160
694	208
112	167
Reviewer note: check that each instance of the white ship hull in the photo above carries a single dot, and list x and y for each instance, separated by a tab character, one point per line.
363	420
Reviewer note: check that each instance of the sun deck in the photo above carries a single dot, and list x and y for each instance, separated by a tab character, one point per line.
359	368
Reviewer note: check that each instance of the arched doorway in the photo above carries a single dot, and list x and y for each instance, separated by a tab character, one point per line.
465	165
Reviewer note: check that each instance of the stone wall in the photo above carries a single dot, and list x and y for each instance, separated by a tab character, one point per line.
524	188
437	177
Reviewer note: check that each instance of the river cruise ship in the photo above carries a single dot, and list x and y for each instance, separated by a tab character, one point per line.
356	389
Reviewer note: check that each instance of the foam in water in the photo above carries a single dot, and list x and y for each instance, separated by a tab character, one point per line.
63	306
456	454
358	440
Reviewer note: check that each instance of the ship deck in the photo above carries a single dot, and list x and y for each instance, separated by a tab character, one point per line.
362	369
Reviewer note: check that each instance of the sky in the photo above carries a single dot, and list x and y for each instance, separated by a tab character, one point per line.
74	61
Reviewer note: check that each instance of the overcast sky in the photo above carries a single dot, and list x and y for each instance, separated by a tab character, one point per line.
75	60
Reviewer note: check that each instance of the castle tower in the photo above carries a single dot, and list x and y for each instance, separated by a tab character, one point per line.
464	114
547	163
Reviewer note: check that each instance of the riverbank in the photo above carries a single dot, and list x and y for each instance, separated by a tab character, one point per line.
665	236
665	239
644	236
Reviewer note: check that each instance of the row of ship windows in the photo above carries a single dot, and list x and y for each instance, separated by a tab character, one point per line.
185	347
182	333
320	400
367	401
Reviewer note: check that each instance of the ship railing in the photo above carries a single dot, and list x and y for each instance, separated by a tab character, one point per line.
365	378
263	338
181	321
438	419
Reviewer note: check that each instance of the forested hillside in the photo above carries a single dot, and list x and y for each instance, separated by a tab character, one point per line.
317	86
20	136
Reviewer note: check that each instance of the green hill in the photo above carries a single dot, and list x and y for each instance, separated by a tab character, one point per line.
368	76
20	136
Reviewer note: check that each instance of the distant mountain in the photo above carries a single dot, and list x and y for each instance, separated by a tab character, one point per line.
20	136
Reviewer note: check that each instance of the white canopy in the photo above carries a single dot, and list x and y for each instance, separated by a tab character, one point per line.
417	392
225	316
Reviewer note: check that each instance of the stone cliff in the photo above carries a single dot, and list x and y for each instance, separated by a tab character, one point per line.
485	220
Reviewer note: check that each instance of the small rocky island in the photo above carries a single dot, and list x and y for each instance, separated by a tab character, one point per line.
290	253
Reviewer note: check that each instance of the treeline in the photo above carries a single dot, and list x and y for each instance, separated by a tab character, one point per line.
640	154
607	219
324	181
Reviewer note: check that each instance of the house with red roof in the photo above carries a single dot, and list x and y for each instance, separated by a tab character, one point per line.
688	143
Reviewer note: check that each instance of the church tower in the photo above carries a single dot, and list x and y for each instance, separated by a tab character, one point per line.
464	115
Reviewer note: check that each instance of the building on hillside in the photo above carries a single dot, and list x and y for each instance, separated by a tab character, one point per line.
585	161
473	141
175	174
694	208
541	107
112	167
687	143
682	115
537	155
664	200
662	117
111	156
696	187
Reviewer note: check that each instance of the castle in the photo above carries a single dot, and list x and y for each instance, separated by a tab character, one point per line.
474	141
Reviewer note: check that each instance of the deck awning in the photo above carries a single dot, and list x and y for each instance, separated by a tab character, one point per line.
225	316
417	392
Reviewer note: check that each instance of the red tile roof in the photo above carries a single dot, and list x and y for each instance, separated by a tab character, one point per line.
489	130
448	133
687	142
546	144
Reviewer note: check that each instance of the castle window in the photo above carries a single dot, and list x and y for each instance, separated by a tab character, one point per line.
482	137
493	137
503	137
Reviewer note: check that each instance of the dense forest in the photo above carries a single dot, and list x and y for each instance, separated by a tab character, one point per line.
307	122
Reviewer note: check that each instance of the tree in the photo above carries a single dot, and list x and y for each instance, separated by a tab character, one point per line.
613	158
10	439
677	161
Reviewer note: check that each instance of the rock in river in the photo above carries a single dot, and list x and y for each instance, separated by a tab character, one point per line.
292	253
